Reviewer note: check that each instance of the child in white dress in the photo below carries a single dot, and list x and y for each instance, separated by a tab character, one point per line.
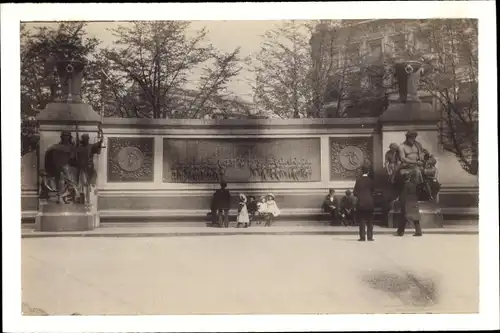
243	217
261	209
272	209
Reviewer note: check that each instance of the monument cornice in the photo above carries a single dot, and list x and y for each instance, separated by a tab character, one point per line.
365	122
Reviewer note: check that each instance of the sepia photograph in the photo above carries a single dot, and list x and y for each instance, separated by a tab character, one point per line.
294	166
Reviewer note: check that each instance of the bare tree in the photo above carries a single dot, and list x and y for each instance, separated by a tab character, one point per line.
39	84
451	77
311	70
282	70
154	60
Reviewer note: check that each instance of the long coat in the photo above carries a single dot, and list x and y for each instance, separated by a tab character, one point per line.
221	199
409	202
363	190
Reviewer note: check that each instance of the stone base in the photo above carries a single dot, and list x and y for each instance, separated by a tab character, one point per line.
431	215
64	217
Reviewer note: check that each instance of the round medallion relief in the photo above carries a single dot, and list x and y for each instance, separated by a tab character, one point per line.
351	158
130	158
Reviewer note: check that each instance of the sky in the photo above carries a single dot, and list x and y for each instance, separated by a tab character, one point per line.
224	35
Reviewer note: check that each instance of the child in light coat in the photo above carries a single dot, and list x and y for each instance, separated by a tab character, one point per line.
243	217
272	209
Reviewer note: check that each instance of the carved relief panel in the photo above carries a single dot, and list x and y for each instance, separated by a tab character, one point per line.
130	159
236	160
348	155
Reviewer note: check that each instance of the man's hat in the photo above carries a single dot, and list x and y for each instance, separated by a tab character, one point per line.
85	136
65	134
411	134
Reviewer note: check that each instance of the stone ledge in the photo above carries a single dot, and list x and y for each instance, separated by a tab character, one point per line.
165	231
62	113
240	123
410	112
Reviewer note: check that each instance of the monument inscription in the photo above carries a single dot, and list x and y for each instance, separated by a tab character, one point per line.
348	155
130	159
241	160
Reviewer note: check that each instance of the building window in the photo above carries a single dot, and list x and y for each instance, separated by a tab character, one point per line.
398	43
352	54
423	40
375	51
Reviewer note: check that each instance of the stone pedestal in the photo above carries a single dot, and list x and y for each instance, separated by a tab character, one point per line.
431	215
64	217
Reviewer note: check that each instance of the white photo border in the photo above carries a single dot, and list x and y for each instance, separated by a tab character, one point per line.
11	15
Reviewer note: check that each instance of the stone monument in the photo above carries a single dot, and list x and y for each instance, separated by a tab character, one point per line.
68	176
407	119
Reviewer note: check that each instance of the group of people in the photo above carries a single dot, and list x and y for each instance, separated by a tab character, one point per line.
343	210
357	207
249	209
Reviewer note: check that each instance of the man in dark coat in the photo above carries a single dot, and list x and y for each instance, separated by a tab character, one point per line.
409	206
363	190
348	208
221	204
331	206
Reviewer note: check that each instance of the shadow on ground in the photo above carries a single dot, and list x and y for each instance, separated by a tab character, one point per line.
410	289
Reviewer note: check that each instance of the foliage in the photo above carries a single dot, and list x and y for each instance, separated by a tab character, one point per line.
451	77
282	71
152	62
39	84
300	73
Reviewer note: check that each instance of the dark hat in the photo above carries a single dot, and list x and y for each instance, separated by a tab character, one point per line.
85	136
223	184
365	169
411	134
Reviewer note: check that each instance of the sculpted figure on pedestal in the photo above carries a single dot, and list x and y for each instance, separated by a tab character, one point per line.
410	158
69	169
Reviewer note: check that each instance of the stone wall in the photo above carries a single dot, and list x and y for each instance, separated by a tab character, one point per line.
168	169
173	166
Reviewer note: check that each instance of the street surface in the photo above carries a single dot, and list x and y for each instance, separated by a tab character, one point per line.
251	274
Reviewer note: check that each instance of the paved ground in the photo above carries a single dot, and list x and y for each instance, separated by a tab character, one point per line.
255	274
168	230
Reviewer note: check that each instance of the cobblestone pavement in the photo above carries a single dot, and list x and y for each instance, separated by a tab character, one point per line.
262	274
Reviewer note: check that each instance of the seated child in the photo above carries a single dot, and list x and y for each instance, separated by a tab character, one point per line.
348	208
242	212
252	208
331	206
272	209
261	209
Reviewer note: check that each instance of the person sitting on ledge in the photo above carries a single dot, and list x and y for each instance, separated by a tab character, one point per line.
261	209
272	209
348	208
331	206
252	208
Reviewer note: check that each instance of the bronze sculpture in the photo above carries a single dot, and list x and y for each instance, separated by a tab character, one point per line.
69	169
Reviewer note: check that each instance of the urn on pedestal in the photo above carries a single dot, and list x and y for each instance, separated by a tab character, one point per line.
67	167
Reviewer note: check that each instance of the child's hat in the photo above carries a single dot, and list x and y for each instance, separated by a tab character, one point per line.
271	195
243	197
